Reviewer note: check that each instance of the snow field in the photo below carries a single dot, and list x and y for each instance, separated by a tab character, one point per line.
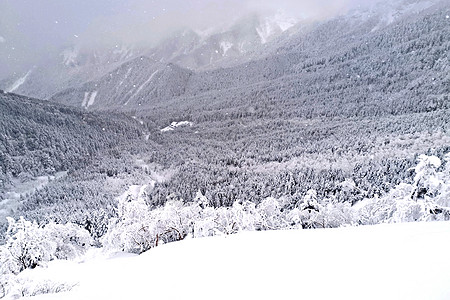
395	261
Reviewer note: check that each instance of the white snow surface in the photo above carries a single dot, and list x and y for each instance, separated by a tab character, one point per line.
85	99
144	84
273	25
89	99
174	125
225	46
11	200
19	82
389	261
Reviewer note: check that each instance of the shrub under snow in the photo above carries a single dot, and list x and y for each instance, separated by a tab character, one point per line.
137	228
29	245
426	199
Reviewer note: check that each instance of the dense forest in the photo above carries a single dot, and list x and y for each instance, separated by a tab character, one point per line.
40	138
308	115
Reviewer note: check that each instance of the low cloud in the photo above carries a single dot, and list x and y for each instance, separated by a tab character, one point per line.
32	31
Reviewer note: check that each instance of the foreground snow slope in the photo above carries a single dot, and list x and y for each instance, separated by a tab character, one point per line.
395	261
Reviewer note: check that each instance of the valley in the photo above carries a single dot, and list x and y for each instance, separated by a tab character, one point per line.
268	123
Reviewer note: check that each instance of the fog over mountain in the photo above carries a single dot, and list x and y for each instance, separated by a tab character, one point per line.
32	32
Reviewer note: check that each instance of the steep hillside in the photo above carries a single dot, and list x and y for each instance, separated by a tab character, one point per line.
41	138
357	65
337	69
141	81
71	67
75	65
55	160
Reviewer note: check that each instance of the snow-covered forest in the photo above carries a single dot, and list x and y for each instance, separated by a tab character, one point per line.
319	133
139	228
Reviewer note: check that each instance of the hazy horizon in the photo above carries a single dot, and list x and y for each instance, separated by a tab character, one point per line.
31	32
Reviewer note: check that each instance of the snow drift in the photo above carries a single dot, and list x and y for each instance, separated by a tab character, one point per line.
390	261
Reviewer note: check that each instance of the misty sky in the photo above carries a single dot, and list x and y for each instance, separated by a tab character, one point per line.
33	29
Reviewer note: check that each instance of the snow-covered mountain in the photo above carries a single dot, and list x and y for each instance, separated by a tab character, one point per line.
141	81
385	13
239	41
71	67
249	38
76	65
189	68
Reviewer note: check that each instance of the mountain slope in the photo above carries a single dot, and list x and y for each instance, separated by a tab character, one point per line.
330	103
55	161
41	138
75	65
138	82
343	63
332	71
71	67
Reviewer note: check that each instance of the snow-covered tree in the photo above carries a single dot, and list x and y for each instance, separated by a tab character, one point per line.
27	246
310	209
70	240
425	199
426	181
206	224
129	231
270	211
